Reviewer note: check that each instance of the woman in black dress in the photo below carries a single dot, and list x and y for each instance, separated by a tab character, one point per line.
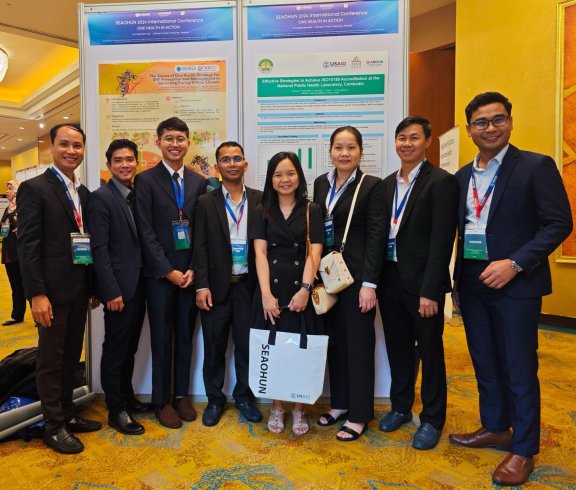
285	274
10	255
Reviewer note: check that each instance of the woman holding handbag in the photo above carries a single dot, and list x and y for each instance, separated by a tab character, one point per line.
284	266
353	225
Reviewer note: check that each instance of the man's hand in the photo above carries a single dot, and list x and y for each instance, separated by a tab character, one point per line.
42	310
428	307
176	278
498	274
94	302
366	299
204	299
188	278
116	304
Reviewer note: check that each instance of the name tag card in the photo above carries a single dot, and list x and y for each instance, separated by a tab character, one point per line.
5	230
181	233
239	251
328	232
81	251
475	242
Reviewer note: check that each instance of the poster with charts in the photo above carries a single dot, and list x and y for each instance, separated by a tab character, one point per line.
300	100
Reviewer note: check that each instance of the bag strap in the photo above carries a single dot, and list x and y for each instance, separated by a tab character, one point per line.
303	334
308	245
350	213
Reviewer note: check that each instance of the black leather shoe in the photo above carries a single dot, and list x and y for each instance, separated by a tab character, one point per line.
133	405
63	442
250	411
79	424
426	437
7	323
125	424
394	420
212	414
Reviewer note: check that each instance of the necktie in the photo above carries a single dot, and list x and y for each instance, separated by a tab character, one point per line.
130	199
177	180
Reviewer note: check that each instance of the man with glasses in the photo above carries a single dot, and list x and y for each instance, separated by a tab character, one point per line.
225	275
513	213
165	198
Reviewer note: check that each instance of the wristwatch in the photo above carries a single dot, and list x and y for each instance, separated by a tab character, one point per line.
306	286
516	267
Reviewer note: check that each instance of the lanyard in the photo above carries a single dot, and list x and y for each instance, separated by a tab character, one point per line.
334	193
77	215
231	213
398	208
179	195
479	205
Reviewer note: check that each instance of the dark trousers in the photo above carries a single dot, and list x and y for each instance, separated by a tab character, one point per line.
18	297
233	312
502	335
403	328
351	347
122	333
172	315
59	351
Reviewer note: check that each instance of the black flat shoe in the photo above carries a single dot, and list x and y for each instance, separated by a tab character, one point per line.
212	414
250	411
125	424
79	424
331	420
133	405
7	323
63	442
355	435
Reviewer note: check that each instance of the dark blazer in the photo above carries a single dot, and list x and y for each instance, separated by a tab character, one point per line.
115	246
425	238
212	253
366	240
155	210
529	218
10	243
45	221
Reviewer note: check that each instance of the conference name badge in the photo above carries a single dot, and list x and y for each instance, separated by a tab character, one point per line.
391	249
81	250
239	251
181	233
475	242
329	232
5	230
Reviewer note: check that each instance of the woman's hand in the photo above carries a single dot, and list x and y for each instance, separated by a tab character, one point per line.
270	307
367	299
299	300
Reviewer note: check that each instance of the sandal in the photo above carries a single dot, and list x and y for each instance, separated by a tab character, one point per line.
276	420
299	422
355	435
331	420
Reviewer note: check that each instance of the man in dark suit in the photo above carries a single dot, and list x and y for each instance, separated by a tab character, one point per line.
54	253
118	269
225	278
421	213
513	213
166	197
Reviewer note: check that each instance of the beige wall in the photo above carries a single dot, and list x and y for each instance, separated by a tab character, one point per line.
26	159
5	174
510	46
433	29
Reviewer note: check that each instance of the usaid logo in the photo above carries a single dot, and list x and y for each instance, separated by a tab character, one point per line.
334	64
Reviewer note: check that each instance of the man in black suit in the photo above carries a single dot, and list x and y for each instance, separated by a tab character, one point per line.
225	275
513	213
421	212
54	253
166	197
118	269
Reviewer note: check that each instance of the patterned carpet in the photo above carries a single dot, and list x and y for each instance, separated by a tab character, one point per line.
241	455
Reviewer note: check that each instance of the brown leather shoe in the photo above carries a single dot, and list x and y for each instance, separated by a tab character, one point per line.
168	417
185	410
484	438
514	470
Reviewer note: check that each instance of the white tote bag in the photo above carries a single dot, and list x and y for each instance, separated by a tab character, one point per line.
287	366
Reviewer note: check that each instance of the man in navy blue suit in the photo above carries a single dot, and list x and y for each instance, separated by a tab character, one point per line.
513	213
118	268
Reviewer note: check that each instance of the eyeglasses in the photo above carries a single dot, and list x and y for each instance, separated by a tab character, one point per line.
497	122
227	160
170	139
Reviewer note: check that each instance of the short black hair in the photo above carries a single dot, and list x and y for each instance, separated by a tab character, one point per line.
226	144
74	126
172	124
421	121
485	99
118	145
351	129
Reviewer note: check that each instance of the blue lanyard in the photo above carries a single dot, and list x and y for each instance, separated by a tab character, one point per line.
179	195
231	213
77	215
333	192
479	205
398	208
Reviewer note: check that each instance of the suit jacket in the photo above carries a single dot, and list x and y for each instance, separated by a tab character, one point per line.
10	243
212	252
155	210
529	218
425	238
115	245
366	240
45	221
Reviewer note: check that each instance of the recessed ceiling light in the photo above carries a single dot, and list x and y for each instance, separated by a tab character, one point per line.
2	147
18	139
41	125
65	117
40	141
21	127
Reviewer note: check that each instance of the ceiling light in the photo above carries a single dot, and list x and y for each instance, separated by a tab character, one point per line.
65	117
21	127
18	139
41	125
3	63
2	147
